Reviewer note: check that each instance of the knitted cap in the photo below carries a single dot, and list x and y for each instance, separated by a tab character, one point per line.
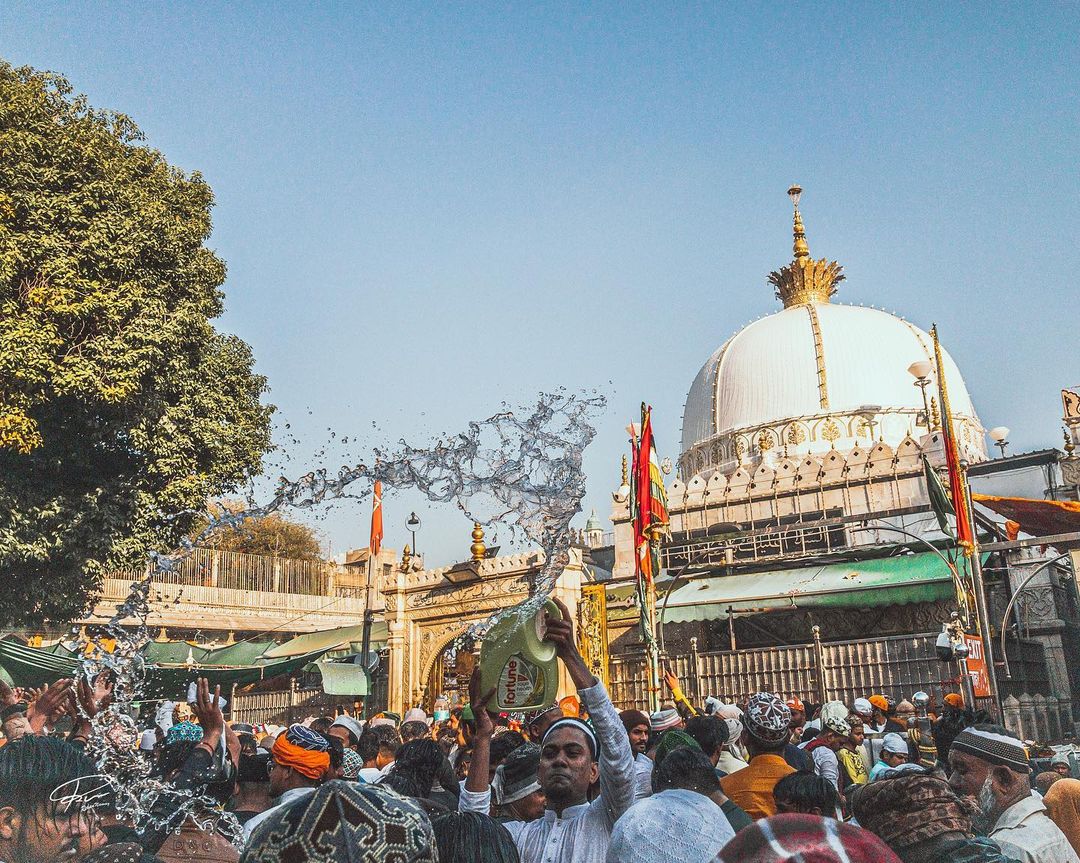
673	825
571	722
662	720
631	719
863	707
894	744
834	717
519	773
994	748
767	717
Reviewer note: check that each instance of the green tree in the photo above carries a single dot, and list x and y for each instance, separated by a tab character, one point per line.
272	535
122	409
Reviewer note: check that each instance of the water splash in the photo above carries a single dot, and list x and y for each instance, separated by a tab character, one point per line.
521	470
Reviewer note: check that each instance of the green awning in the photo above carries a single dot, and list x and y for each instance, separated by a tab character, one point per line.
31	667
343	678
857	584
330	639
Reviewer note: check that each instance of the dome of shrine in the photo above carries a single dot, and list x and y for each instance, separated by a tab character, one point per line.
817	376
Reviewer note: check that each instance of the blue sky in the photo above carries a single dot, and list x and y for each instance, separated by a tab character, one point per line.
428	210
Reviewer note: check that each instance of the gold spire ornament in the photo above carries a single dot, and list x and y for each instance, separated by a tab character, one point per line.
804	280
477	548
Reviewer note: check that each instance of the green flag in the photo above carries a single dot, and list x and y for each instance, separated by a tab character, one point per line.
939	498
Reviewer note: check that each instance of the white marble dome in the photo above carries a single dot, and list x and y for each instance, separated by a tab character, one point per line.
813	377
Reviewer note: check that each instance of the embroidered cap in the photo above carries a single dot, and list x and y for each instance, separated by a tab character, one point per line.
993	747
767	717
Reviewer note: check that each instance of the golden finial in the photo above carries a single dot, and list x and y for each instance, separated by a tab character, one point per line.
162	636
625	471
477	548
406	558
1070	447
804	280
935	418
799	247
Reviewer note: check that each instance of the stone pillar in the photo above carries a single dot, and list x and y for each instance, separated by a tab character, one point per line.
1042	724
1053	719
1010	709
568	590
1028	728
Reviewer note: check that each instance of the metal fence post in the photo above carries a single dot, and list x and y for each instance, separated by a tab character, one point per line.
819	665
695	670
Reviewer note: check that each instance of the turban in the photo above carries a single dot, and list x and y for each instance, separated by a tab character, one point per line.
834	717
305	751
911	808
954	699
631	719
675	738
344	822
795	703
767	718
662	720
353	726
805	837
184	732
863	707
994	748
572	722
519	774
673	825
880	702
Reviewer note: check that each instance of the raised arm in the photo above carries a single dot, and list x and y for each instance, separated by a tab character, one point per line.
617	778
477	794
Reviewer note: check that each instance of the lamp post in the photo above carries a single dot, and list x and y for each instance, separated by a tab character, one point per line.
920	370
1000	436
413	525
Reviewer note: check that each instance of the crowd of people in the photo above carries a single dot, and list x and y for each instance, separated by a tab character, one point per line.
769	779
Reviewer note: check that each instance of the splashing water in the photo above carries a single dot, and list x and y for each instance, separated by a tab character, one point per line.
522	472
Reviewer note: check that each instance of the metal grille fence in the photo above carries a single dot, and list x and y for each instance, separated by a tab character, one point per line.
845	670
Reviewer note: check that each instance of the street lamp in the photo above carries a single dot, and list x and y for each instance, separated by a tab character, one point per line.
1000	436
413	525
920	370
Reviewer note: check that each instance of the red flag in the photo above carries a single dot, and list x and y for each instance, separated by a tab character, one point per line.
964	536
650	504
376	520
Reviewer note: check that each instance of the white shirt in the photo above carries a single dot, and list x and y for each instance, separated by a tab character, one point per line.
729	763
287	798
1025	832
643	768
582	833
374	775
826	764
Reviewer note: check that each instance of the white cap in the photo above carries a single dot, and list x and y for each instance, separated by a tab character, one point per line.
894	744
353	726
863	707
148	740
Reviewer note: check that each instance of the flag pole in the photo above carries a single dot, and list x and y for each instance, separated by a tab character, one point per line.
654	648
969	538
374	544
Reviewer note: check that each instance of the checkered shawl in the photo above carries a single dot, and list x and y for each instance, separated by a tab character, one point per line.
805	839
343	822
911	808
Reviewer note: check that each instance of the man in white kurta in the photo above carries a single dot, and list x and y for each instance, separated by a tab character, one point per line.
572	829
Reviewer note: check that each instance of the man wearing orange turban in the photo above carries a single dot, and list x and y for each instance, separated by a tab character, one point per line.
299	761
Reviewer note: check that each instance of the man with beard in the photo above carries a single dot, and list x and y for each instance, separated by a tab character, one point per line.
572	757
991	765
44	786
636	724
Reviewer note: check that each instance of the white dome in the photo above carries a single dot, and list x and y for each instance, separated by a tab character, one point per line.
787	374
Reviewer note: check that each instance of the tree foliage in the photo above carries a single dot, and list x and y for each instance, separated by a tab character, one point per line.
272	535
122	409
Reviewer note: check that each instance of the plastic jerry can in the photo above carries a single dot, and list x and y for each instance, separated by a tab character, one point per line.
517	663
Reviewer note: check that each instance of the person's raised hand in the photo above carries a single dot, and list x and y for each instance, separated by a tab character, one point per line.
206	710
478	701
560	632
7	695
49	705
